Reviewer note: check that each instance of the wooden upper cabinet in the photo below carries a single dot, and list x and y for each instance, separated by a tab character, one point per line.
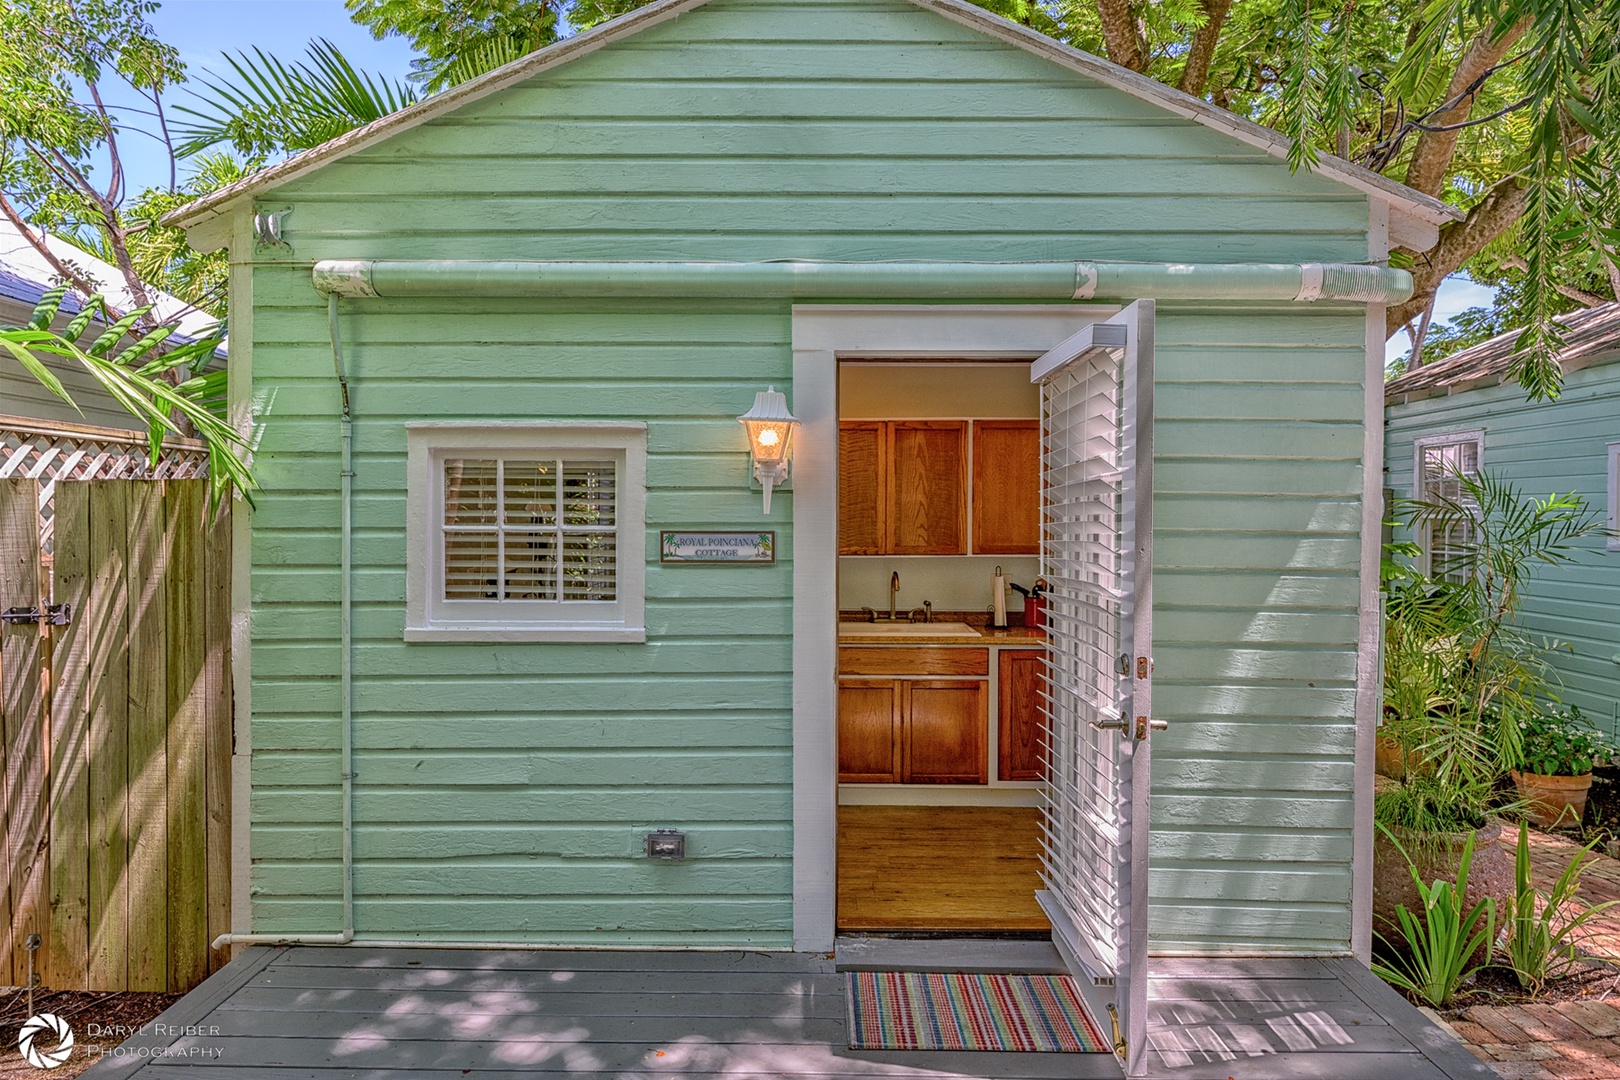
863	469
1022	741
902	487
1006	487
928	488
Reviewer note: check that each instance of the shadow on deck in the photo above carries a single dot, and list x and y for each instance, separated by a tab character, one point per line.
424	1014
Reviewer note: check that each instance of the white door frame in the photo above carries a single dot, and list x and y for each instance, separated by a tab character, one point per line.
822	334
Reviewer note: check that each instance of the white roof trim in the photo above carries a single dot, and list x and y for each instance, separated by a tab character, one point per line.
1408	202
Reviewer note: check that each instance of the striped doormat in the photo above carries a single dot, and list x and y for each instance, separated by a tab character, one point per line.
895	1010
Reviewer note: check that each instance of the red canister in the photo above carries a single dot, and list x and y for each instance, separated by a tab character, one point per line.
1035	612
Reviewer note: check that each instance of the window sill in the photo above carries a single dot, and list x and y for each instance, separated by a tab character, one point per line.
561	633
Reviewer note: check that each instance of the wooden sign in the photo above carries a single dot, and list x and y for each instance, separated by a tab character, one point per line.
752	548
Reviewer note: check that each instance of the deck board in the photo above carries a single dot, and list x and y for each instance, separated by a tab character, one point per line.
424	1014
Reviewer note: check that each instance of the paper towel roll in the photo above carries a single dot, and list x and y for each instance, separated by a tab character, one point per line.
998	592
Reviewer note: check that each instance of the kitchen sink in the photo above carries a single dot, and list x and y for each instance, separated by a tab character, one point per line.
906	629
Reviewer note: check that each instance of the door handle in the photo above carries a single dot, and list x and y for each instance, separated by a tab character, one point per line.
1122	724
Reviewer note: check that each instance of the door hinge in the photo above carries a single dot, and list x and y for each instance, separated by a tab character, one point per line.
49	615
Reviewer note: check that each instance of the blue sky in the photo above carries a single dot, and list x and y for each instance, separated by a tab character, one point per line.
205	29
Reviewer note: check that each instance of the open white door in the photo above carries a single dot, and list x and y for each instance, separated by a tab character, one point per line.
1097	558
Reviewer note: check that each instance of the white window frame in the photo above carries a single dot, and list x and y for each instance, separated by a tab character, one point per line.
1614	496
1419	490
426	614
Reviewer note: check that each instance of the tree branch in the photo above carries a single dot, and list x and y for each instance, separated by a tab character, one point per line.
1431	159
1195	75
1122	37
1460	241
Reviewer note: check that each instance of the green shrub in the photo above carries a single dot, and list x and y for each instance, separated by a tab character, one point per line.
1541	944
1443	941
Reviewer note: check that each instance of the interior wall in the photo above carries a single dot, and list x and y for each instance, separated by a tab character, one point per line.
934	391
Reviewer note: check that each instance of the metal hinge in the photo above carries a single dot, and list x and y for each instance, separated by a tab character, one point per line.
49	615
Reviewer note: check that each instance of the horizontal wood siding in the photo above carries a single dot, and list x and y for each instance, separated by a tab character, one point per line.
502	789
1544	447
1256	586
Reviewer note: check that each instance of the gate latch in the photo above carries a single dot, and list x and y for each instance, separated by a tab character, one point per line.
49	615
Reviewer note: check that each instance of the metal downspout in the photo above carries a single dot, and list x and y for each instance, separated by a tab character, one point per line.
346	672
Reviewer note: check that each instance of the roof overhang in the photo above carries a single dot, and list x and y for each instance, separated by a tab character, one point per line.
1415	218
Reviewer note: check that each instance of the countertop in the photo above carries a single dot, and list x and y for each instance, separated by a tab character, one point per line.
1012	635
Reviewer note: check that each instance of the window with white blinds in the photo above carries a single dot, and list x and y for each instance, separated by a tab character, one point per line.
536	534
518	530
1442	462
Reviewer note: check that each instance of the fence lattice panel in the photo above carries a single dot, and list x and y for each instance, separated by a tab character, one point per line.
48	452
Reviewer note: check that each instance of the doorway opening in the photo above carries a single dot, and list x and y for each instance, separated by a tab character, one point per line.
941	740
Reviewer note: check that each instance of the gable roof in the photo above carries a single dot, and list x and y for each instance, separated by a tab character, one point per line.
1426	212
1590	336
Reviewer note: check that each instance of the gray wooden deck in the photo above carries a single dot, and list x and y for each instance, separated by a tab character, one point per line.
425	1014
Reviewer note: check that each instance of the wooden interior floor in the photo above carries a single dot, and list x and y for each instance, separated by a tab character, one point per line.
939	868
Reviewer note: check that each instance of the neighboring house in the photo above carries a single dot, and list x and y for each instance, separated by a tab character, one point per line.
1463	412
25	276
590	262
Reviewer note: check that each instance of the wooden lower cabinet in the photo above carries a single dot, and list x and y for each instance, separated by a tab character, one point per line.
913	731
869	731
1022	728
944	737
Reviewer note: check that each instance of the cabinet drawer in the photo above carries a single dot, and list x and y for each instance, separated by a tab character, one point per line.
924	660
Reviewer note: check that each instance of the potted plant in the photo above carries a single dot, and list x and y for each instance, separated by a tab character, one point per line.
1555	766
1458	676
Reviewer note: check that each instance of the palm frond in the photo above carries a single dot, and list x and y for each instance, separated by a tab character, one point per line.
266	105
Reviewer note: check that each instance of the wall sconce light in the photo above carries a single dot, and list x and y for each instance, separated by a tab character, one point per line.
770	440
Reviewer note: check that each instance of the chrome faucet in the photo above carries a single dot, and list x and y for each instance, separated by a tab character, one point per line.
894	590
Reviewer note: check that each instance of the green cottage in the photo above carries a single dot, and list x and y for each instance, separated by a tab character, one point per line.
1019	315
1464	412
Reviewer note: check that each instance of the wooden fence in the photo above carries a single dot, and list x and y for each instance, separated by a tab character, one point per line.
117	735
48	452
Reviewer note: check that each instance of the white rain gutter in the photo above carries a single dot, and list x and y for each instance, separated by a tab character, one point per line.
1301	282
346	677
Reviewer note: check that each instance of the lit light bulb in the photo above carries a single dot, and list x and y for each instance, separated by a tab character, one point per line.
769	438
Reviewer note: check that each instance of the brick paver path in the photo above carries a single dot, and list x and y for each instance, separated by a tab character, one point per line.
1568	1040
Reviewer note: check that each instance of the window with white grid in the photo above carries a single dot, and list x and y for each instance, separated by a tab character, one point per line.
1442	462
526	532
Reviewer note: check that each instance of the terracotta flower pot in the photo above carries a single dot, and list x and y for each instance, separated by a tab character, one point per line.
1389	758
1554	800
1437	857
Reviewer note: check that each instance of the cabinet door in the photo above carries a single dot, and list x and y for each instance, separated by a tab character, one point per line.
928	488
946	732
1006	487
862	487
869	731
1022	737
